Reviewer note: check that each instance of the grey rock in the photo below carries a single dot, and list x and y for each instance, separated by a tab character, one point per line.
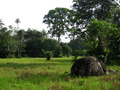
111	70
88	66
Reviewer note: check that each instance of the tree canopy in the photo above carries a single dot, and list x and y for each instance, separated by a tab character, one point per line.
99	37
59	21
98	9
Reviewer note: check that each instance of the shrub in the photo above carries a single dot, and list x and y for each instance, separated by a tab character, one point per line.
76	53
48	54
11	56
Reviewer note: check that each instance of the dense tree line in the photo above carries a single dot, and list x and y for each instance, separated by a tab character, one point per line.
15	42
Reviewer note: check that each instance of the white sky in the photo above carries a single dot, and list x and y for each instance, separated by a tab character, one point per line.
30	12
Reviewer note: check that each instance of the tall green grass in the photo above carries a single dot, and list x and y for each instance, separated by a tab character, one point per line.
40	74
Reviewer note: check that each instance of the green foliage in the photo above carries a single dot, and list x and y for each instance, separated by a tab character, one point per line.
79	52
77	44
48	54
84	52
8	43
66	49
99	9
58	52
34	48
18	56
99	37
76	53
116	19
50	44
33	34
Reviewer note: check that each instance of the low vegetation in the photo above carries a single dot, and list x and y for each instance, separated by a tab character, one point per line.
41	74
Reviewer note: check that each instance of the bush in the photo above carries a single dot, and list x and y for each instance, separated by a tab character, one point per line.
11	56
48	54
84	52
76	53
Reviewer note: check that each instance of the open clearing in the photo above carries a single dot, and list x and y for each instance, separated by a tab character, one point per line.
40	74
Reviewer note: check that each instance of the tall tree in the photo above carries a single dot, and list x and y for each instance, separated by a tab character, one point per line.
59	21
20	34
99	36
17	21
12	41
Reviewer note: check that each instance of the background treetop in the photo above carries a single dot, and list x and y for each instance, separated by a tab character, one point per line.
88	9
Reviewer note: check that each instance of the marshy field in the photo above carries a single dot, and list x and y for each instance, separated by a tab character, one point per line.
54	74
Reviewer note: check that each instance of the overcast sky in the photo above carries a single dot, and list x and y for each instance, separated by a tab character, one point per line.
30	12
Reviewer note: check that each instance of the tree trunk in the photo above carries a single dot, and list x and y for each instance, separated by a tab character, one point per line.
106	55
58	40
17	26
20	48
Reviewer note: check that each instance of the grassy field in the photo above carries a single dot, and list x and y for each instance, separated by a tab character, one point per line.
40	74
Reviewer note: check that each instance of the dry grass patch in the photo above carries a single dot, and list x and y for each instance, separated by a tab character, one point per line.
55	86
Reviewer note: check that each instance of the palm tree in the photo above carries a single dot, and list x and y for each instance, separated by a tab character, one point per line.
44	34
1	23
17	21
20	33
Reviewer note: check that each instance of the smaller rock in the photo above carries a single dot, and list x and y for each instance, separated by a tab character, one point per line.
111	70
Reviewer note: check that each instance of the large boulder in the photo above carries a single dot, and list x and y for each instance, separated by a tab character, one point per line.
88	66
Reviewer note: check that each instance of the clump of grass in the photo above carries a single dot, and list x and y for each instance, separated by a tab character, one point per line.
117	77
111	78
114	80
116	84
107	78
67	78
103	87
46	73
55	86
75	81
26	74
